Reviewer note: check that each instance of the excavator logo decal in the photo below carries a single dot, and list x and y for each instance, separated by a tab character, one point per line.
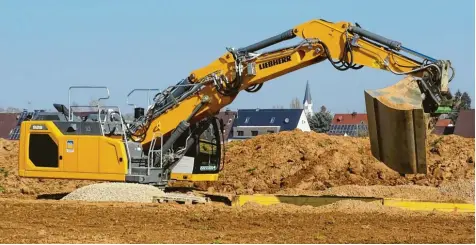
274	62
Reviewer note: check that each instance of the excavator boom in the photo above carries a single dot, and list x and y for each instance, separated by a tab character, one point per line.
347	47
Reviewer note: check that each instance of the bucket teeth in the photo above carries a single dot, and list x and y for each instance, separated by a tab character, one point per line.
397	126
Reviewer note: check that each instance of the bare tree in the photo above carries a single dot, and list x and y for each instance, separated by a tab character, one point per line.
13	110
295	104
94	103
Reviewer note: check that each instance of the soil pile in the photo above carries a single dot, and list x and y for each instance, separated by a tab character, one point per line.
11	185
297	161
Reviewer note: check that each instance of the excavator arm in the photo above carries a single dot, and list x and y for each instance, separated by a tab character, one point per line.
347	47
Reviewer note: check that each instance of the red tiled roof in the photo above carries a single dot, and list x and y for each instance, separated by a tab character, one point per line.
8	121
464	125
349	118
443	122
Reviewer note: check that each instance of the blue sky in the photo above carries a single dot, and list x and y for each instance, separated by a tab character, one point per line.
47	46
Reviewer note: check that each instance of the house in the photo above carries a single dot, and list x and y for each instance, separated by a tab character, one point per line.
464	125
8	121
252	122
443	126
353	124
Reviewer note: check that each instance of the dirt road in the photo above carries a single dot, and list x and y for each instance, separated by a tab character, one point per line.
45	221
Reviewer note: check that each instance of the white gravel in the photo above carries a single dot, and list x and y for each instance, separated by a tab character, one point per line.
115	192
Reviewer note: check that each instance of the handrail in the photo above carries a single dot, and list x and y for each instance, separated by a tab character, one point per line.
92	87
140	89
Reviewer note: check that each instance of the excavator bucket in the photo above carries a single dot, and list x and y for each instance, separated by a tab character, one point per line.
397	126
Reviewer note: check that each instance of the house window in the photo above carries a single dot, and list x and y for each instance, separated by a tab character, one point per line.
247	120
270	131
254	133
272	120
240	133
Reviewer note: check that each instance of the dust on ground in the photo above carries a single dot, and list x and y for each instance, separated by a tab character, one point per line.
297	161
75	222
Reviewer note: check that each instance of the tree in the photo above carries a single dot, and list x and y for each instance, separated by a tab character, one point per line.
321	121
461	101
465	102
295	104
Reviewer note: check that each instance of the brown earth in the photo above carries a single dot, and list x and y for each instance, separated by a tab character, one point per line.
28	221
298	161
289	162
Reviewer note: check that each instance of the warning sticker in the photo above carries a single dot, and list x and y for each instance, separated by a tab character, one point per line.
70	146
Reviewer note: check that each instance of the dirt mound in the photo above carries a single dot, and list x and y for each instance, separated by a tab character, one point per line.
309	161
297	162
11	185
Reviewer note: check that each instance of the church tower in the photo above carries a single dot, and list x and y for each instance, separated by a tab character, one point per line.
307	102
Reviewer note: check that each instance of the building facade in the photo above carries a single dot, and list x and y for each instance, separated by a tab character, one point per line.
353	124
253	122
8	121
443	126
464	125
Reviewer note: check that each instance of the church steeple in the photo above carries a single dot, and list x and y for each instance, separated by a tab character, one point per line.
307	102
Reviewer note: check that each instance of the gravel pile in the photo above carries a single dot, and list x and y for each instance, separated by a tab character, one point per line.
115	192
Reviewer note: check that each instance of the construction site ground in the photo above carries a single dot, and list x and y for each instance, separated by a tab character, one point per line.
296	163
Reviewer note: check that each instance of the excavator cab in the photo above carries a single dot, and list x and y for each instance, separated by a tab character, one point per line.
201	161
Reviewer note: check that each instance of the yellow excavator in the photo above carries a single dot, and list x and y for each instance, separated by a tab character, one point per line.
179	137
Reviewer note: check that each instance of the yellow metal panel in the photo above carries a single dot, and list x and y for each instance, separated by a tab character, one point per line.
88	154
90	148
429	206
69	150
22	152
75	175
24	161
296	200
194	177
112	156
